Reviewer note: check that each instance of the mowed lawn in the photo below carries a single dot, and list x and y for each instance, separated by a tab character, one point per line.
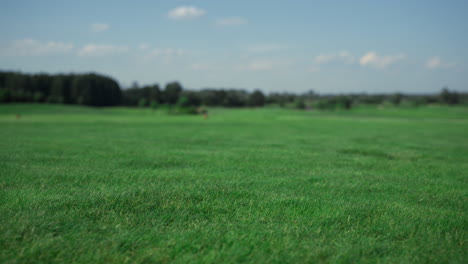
118	185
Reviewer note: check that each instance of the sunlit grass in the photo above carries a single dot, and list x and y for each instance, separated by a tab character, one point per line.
257	185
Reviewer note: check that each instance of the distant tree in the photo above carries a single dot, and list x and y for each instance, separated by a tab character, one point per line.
172	92
155	93
3	76
193	98
257	98
81	89
323	104
235	98
310	95
212	97
300	104
67	81
38	97
334	103
57	90
395	99
95	90
131	96
89	89
184	106
42	83
98	90
463	97
154	105
4	95
282	99
142	102
369	99
448	97
183	102
343	102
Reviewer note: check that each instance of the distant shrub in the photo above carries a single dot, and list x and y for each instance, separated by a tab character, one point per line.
142	102
80	100
20	96
369	99
55	99
256	99
334	103
183	102
396	99
344	102
172	93
4	95
464	99
300	104
235	98
448	97
413	101
183	107
154	105
323	104
387	103
191	98
38	97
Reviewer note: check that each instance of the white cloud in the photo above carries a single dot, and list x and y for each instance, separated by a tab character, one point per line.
436	62
186	12
32	47
231	21
373	59
101	50
144	46
99	27
342	56
433	63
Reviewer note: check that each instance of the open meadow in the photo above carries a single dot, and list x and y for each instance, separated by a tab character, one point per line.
267	185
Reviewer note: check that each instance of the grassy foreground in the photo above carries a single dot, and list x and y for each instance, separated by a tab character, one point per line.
267	185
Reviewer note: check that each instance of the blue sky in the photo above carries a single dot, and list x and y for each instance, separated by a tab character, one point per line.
295	46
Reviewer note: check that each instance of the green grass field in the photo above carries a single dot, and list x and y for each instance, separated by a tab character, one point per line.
84	185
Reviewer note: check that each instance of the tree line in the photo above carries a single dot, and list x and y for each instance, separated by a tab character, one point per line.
84	89
93	89
174	94
97	90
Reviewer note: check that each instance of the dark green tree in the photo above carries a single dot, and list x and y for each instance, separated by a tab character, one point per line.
448	97
58	90
172	92
300	104
257	99
212	97
192	98
235	98
395	99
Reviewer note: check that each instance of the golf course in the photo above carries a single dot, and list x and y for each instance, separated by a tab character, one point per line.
257	185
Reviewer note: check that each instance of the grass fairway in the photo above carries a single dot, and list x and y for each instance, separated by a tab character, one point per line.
267	185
